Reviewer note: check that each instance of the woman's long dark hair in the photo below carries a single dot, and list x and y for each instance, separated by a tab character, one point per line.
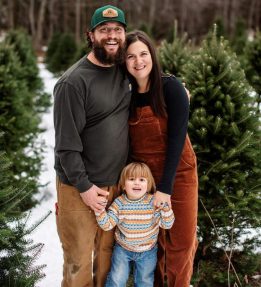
157	102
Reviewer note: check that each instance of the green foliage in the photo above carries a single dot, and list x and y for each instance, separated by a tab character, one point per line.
19	117
64	53
22	45
224	129
147	29
239	40
221	31
52	47
82	50
253	66
17	252
174	55
215	273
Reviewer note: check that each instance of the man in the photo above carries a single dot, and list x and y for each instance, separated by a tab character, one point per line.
91	102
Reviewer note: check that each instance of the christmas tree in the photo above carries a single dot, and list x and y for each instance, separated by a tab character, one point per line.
174	54
65	52
22	44
19	120
52	47
17	251
225	132
253	66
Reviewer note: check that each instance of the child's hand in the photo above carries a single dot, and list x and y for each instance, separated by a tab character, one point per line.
100	212
160	207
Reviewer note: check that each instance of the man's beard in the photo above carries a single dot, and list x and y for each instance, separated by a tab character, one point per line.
104	57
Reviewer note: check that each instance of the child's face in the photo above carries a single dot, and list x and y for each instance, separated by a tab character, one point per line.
135	187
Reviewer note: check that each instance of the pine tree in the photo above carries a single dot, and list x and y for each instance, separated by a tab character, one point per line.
225	131
64	54
52	47
253	66
145	27
17	251
23	47
221	31
82	50
20	123
239	39
174	55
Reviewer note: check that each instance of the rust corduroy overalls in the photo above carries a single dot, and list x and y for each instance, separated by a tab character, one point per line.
178	245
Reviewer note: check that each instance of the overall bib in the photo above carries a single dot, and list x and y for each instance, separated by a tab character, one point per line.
177	246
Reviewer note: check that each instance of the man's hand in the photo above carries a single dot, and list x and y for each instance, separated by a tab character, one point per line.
95	198
160	199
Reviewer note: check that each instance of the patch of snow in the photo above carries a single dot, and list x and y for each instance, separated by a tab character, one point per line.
46	233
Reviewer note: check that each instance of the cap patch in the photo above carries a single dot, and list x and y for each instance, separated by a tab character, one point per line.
110	13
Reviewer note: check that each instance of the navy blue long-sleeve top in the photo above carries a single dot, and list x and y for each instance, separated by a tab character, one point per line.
177	107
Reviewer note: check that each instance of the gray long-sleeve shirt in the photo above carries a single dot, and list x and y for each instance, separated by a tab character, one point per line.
91	108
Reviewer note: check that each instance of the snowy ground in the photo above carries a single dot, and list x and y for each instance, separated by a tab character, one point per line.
51	254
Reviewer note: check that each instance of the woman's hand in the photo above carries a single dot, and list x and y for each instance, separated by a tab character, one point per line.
160	199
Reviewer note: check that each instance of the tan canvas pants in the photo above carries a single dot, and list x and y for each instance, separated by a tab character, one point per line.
87	249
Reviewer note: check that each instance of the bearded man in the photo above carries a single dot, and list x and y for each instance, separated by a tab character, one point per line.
91	104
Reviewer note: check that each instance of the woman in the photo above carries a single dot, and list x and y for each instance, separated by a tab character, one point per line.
158	132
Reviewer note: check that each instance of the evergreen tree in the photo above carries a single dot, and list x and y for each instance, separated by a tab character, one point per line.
23	47
221	31
173	55
51	49
64	54
17	252
253	66
19	121
239	39
147	29
225	132
82	50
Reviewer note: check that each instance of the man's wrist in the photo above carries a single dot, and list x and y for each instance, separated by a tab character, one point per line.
84	186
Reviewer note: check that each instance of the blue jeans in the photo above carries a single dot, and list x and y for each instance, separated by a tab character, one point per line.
144	267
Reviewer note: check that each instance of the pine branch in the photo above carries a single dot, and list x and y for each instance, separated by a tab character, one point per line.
36	224
217	234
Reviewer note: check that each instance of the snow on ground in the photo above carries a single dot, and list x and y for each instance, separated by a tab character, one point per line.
46	233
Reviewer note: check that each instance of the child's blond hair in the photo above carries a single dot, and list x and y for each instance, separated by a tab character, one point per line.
137	169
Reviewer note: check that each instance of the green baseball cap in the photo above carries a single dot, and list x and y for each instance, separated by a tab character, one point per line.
107	13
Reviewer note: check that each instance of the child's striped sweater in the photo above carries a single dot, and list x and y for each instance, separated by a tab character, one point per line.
137	222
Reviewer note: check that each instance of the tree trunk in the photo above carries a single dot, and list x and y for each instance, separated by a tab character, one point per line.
166	7
226	5
65	17
52	18
31	18
233	14
77	21
183	16
251	14
258	12
10	14
152	10
40	23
